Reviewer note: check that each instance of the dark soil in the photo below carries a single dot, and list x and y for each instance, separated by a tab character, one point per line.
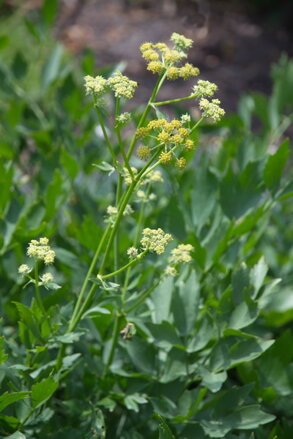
235	45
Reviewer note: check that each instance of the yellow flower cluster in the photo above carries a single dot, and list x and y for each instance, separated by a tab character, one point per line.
161	58
211	109
205	88
96	85
41	250
171	135
181	254
144	152
155	240
121	85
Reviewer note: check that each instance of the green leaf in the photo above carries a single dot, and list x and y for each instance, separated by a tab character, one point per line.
213	381
185	304
55	194
174	366
3	356
19	66
9	398
258	274
162	297
42	391
133	401
203	196
51	69
49	11
243	315
16	435
142	355
164	430
275	165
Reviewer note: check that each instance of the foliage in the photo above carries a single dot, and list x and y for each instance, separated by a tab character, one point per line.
206	354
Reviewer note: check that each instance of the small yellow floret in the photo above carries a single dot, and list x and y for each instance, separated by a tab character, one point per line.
165	157
143	152
163	137
173	72
155	66
189	145
188	71
181	163
155	124
146	46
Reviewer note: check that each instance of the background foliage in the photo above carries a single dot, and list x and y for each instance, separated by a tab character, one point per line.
212	354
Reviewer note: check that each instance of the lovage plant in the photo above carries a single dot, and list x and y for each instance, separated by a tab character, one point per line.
133	313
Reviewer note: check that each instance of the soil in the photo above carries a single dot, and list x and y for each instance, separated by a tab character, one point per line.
234	46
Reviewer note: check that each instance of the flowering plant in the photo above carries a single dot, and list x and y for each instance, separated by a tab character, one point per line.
137	302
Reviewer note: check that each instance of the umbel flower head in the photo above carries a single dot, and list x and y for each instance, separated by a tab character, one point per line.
121	85
155	240
41	250
162	59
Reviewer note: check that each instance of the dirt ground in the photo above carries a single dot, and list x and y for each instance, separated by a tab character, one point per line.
232	47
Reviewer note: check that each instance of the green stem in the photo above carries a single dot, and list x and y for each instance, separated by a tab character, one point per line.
196	125
138	230
143	297
86	280
108	143
115	336
156	89
120	142
126	266
123	204
173	101
38	293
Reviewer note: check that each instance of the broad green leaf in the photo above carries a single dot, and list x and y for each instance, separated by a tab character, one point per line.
243	315
275	165
185	304
203	196
164	334
172	219
162	297
142	355
213	381
42	391
9	398
174	366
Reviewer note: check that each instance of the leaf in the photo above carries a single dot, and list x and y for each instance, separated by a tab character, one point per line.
275	165
258	274
19	66
95	311
240	193
203	196
52	67
9	398
185	304
42	391
164	430
213	381
243	315
162	297
49	11
54	194
132	401
70	338
172	219
142	354
16	435
174	366
3	356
